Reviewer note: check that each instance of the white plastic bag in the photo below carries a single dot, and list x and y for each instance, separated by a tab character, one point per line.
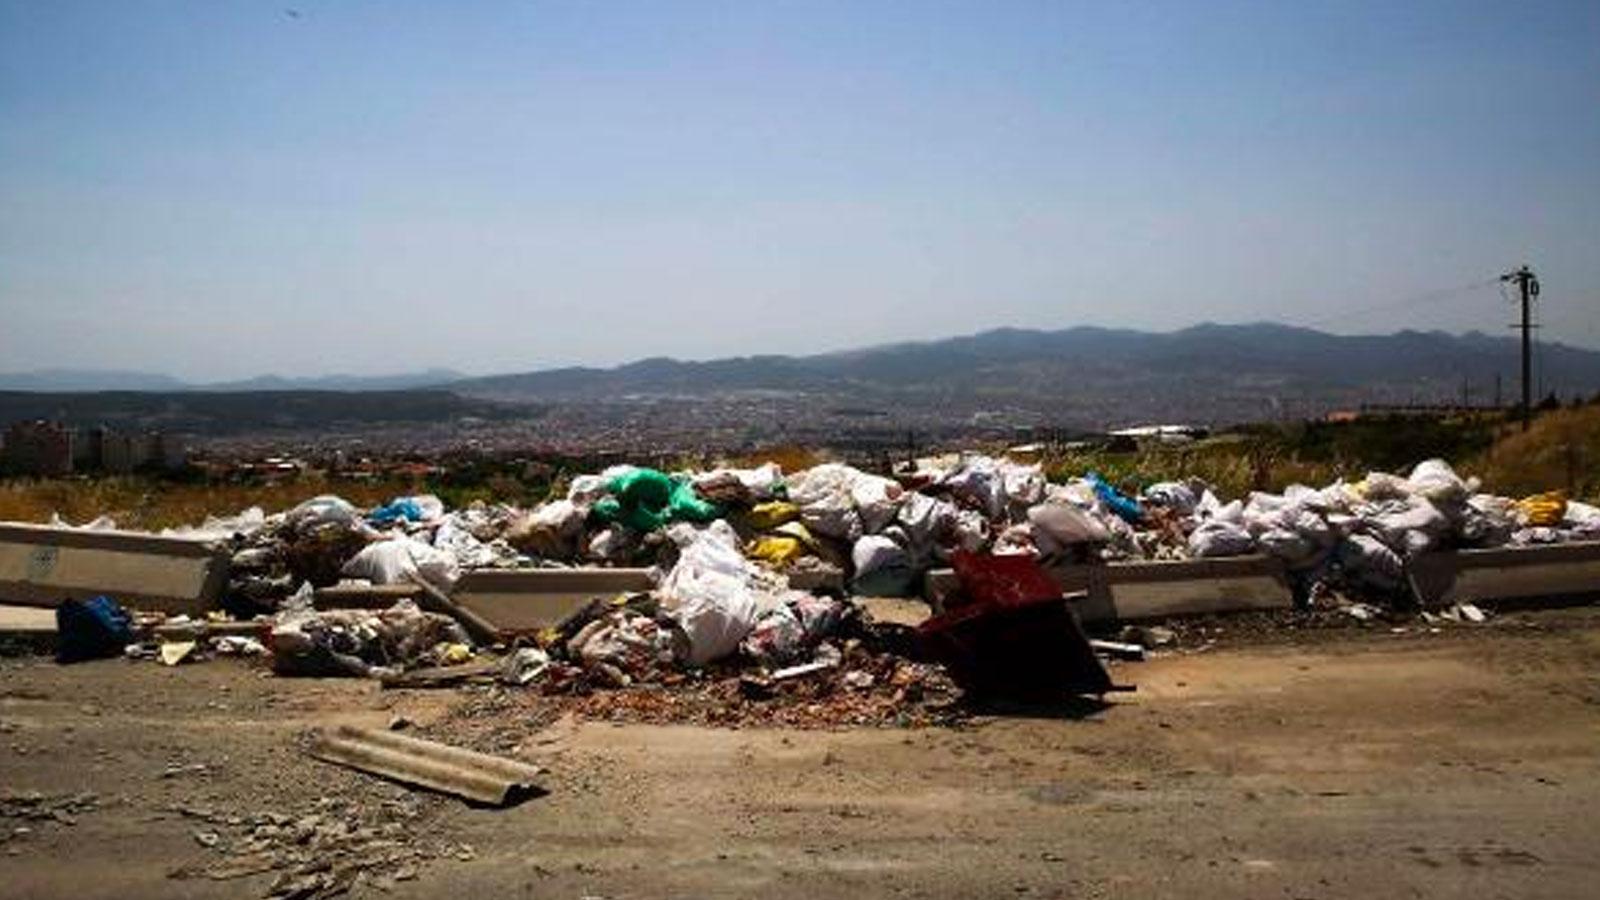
402	560
1435	480
709	594
322	510
1066	525
1220	537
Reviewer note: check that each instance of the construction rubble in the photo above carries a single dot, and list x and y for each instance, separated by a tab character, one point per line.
760	576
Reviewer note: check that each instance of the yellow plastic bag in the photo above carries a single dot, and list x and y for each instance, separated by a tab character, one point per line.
775	549
767	516
1543	510
454	654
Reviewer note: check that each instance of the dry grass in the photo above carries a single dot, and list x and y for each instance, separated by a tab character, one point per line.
146	504
790	458
1561	450
1232	467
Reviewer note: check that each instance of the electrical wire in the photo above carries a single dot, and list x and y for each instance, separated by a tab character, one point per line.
1426	297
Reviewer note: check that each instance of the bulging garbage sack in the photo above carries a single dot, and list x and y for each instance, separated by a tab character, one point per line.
763	483
777	637
1487	521
979	482
1380	486
468	551
586	490
1409	527
1174	495
925	519
1543	510
972	531
882	567
1066	524
842	502
1220	537
1368	561
420	508
833	516
401	560
709	594
322	510
646	499
552	531
1023	484
877	500
1016	540
1435	480
769	515
777	549
1125	507
1582	520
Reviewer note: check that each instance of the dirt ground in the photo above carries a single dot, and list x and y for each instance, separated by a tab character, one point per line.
1371	764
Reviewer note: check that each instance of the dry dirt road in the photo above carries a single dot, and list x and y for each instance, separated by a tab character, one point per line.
1463	764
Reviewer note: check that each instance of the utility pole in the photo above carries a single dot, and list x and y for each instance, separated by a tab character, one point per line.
1528	287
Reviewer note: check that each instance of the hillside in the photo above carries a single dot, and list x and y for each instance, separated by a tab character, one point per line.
1093	376
232	413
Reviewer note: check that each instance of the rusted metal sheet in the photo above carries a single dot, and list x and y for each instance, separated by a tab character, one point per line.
1132	591
42	566
1506	573
479	777
526	600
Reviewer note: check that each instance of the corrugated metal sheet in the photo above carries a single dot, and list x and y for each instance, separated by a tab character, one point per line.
479	777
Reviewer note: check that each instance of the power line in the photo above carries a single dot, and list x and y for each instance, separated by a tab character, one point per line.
1426	297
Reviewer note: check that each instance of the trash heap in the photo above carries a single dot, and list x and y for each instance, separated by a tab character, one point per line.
759	569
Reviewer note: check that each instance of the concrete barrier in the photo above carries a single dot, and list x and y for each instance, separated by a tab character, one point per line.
42	566
1134	591
1551	571
523	600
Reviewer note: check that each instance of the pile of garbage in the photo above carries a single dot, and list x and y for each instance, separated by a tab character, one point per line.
759	568
836	529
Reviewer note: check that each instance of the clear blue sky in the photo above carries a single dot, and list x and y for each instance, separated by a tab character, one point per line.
219	189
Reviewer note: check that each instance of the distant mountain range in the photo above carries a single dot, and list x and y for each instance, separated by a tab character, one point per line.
75	380
1080	377
1096	376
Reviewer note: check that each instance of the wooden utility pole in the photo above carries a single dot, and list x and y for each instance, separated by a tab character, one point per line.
1528	287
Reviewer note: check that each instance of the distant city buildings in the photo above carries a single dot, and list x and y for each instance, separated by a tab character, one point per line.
47	449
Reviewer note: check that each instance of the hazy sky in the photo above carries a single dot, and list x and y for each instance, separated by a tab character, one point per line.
218	189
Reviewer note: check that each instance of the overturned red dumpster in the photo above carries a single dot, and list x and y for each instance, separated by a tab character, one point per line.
1016	637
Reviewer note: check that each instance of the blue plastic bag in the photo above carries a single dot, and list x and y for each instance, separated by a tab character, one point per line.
91	629
405	508
1126	508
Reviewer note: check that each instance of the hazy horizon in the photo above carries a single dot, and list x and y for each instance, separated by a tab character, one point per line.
754	352
222	191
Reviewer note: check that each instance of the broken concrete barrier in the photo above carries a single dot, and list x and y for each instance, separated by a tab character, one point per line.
1142	590
42	566
525	600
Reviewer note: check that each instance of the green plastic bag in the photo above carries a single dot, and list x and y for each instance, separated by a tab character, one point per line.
646	499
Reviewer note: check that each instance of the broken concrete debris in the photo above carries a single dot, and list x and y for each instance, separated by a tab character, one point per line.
327	850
